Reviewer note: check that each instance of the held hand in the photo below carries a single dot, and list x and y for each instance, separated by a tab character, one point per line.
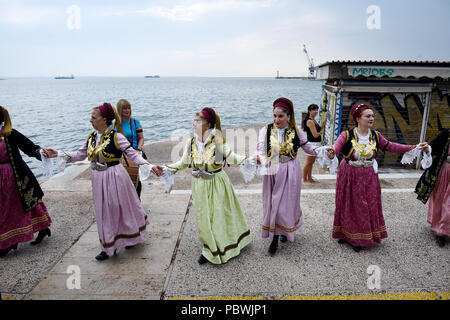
324	123
50	153
257	159
424	146
331	152
158	170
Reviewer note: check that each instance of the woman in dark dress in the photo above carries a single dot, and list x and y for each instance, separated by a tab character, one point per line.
22	212
313	132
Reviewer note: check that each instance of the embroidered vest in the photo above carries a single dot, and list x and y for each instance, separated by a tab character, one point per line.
351	143
208	157
108	149
290	145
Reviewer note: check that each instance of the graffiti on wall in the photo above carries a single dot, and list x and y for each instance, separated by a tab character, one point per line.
399	116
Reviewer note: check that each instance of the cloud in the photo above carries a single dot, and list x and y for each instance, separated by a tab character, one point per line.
16	13
190	11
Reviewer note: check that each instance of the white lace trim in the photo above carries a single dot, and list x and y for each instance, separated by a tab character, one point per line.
145	171
410	156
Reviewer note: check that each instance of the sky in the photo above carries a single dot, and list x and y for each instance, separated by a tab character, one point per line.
213	38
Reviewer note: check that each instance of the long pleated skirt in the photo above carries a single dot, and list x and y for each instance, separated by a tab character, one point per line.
439	203
221	224
282	214
358	217
16	225
121	219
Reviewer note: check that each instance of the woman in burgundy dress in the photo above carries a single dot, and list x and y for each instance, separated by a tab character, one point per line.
358	217
22	211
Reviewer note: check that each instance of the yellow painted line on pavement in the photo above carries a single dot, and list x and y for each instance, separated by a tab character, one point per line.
381	296
5	298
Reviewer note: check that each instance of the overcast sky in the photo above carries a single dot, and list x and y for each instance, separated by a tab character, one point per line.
241	38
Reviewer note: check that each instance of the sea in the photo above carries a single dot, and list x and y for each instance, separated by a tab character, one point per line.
56	112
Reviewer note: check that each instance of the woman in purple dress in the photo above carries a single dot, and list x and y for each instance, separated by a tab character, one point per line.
121	219
277	149
22	211
358	217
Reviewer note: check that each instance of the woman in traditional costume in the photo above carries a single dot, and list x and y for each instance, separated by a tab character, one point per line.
121	219
277	150
358	217
22	211
435	185
221	224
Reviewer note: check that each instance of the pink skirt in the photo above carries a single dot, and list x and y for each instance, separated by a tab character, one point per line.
281	201
121	219
358	217
16	225
439	203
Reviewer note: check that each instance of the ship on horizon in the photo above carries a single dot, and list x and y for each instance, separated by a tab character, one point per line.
153	77
63	77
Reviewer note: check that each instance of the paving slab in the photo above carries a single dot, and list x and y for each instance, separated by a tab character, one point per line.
315	264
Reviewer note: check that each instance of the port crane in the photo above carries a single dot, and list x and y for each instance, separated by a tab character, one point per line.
312	68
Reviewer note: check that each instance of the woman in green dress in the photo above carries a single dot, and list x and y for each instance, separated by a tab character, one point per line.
220	222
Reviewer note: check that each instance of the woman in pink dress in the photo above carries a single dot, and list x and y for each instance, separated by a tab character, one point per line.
121	219
278	145
435	185
22	211
358	217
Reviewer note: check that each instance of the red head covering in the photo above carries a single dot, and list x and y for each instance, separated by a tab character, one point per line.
208	115
283	103
107	111
358	109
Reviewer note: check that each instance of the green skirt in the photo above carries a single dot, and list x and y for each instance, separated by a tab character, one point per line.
220	222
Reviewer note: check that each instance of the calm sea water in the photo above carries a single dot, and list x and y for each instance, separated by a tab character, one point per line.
56	113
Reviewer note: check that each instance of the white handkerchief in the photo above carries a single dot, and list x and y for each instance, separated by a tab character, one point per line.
325	162
249	169
167	178
47	165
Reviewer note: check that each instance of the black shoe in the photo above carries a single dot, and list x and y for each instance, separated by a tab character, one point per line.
3	252
129	247
274	245
202	260
440	241
355	248
283	239
102	256
41	236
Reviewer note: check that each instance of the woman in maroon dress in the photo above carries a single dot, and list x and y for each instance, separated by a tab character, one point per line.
358	217
22	211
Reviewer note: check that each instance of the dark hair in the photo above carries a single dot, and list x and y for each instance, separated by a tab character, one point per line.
212	117
287	102
1	115
311	107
